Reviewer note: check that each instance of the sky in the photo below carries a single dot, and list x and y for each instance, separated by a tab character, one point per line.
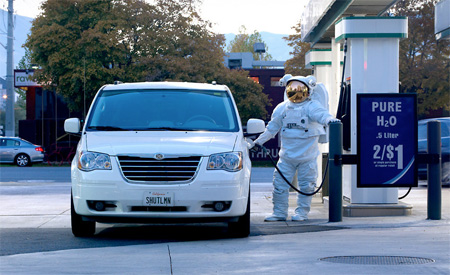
226	15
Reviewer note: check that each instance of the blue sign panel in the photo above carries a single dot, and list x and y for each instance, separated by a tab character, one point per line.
387	140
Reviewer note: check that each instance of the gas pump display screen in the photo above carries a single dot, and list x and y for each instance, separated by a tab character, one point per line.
387	140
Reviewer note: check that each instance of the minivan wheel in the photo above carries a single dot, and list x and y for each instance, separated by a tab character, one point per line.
80	228
22	160
241	228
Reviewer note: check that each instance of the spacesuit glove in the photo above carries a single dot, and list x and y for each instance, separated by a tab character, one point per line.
332	120
257	147
253	146
250	144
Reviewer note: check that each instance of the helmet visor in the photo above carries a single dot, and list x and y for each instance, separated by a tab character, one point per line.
297	91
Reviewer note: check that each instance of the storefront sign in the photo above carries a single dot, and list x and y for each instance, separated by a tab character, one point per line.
24	78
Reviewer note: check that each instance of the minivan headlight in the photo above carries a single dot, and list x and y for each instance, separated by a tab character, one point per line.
231	161
89	161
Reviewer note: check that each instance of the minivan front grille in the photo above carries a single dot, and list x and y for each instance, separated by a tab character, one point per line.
165	170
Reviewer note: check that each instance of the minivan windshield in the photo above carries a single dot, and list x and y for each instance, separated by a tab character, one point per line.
163	109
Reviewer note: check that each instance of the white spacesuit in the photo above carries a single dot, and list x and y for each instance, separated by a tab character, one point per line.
300	121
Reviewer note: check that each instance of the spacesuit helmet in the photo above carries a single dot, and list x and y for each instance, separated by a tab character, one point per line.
298	88
297	91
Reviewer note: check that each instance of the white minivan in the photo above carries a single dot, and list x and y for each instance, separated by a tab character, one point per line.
161	152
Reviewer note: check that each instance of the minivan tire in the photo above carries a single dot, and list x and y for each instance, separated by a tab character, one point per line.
241	228
80	228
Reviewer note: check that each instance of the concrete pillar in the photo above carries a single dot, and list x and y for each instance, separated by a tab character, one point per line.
336	74
373	65
327	63
321	58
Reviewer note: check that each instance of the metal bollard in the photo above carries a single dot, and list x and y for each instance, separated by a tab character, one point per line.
434	200
335	173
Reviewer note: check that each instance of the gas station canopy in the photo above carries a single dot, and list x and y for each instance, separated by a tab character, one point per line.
319	16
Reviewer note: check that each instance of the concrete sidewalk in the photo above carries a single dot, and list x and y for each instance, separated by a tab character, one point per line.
368	245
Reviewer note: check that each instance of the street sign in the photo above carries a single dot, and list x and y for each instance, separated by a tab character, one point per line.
387	140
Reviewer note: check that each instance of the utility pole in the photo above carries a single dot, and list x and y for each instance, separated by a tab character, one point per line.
9	119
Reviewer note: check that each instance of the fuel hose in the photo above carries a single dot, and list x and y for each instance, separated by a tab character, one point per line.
295	188
286	180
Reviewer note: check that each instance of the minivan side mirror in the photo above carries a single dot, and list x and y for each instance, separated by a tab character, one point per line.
255	127
72	126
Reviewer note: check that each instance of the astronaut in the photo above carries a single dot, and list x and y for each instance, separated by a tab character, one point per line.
300	121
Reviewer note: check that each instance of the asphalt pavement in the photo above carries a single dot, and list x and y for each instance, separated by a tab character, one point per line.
357	245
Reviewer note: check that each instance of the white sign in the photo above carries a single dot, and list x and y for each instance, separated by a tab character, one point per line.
24	79
442	19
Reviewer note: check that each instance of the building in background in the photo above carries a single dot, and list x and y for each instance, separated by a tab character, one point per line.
45	115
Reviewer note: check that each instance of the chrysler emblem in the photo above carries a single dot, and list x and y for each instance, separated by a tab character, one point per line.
159	156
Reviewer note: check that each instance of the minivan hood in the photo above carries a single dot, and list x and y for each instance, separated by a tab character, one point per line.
149	143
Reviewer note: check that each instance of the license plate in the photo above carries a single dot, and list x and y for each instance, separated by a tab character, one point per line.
158	198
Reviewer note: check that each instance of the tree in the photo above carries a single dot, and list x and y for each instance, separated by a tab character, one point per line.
251	104
296	65
424	61
244	42
75	43
99	42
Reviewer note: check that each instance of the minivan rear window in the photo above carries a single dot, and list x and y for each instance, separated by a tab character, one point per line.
163	109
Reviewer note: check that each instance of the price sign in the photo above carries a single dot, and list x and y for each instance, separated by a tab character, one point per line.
387	140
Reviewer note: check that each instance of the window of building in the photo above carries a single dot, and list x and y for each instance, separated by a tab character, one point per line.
234	63
255	78
275	81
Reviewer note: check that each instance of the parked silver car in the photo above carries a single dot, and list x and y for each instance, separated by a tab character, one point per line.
19	151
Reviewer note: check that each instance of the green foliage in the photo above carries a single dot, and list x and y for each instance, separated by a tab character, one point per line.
424	61
81	45
250	99
74	42
244	42
296	65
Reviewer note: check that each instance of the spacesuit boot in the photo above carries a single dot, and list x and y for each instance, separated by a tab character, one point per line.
280	206
274	218
280	193
302	210
303	203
